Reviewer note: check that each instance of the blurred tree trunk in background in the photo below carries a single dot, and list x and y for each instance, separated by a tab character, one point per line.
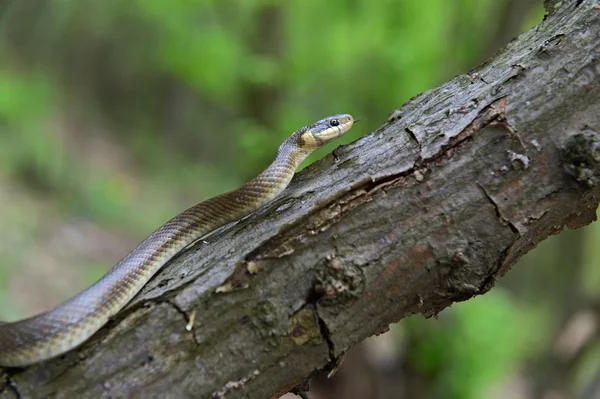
260	99
508	23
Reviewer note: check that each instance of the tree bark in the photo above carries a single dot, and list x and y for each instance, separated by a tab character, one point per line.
430	209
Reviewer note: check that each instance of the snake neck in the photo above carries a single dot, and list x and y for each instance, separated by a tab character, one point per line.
264	187
290	154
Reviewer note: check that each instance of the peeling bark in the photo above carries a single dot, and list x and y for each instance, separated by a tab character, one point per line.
430	209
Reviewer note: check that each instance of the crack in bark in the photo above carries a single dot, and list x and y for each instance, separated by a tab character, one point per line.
413	136
504	220
333	361
490	281
189	319
10	386
326	334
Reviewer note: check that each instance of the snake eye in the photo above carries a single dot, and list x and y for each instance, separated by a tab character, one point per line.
334	122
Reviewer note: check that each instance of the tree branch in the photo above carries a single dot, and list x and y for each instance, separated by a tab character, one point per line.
430	209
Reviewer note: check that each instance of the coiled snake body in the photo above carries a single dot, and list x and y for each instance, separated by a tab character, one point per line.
71	323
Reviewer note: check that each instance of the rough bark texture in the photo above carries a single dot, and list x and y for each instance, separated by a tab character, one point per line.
430	209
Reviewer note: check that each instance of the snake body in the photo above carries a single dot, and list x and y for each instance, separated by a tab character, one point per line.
71	323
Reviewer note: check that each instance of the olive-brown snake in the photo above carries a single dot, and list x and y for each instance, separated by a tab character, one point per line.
71	323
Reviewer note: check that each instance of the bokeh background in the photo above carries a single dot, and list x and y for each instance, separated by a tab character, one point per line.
117	114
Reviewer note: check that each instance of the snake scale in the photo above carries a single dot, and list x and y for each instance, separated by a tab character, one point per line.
71	323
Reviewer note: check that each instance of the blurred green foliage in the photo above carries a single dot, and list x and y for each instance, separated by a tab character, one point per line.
475	346
200	93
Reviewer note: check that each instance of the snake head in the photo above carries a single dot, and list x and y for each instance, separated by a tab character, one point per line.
322	132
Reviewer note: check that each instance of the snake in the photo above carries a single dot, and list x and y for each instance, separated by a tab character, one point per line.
68	325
